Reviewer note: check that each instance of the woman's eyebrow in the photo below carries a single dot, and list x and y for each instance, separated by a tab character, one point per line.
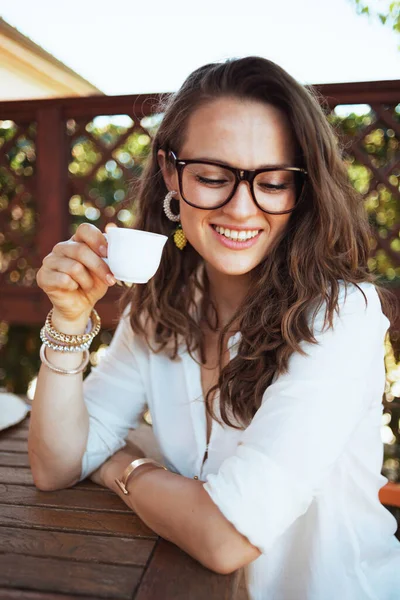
228	164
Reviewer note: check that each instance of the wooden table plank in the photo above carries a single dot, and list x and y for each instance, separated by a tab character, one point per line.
170	566
76	546
108	523
23	425
50	574
12	594
91	500
20	476
14	459
10	445
13	433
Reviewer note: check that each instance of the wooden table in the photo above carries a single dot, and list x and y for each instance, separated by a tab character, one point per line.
84	542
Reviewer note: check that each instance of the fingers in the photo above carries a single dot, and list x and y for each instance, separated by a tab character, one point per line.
75	270
91	236
49	281
83	255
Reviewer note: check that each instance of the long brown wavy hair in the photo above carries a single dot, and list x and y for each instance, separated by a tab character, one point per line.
327	240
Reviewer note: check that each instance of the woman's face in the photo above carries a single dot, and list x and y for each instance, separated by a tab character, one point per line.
245	134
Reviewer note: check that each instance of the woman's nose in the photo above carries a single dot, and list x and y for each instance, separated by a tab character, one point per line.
241	204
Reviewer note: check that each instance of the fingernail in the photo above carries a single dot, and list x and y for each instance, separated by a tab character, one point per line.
103	250
110	279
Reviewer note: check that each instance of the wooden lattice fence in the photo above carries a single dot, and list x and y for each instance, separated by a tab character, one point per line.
65	161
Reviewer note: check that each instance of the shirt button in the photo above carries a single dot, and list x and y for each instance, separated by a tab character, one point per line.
195	477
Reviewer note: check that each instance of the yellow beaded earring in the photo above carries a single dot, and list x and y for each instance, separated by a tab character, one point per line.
178	235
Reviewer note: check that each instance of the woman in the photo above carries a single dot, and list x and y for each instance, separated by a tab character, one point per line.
258	347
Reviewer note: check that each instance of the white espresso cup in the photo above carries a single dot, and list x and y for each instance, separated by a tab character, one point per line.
133	255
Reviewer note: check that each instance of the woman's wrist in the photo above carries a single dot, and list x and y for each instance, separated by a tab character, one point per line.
114	467
73	327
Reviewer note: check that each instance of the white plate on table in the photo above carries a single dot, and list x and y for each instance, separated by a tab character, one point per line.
12	410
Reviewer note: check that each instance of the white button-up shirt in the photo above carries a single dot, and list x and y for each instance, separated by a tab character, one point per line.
301	481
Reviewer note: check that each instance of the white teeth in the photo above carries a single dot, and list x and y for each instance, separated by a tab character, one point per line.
234	234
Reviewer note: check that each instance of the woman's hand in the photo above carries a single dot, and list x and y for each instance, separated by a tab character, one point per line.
74	276
114	467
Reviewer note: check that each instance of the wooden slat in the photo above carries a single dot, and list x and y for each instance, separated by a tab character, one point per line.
80	521
9	594
23	425
13	459
51	574
19	476
9	445
71	498
13	433
169	566
76	546
140	104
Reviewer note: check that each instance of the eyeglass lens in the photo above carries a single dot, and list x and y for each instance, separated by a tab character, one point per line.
208	186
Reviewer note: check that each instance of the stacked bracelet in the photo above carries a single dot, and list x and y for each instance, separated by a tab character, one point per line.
61	346
64	342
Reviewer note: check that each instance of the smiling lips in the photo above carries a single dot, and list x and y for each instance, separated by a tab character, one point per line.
236	235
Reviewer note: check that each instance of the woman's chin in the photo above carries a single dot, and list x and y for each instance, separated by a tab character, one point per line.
233	267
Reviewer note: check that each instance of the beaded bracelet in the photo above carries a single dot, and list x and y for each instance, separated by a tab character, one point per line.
60	346
70	338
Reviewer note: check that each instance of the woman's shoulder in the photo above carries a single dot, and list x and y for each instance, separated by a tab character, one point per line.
362	296
359	301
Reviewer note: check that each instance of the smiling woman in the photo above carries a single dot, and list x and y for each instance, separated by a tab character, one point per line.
261	325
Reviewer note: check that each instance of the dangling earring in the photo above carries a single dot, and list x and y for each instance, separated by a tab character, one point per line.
179	235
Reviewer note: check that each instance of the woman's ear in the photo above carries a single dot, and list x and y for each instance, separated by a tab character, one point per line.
168	173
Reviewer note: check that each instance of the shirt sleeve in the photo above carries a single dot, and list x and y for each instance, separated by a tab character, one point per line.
305	420
115	397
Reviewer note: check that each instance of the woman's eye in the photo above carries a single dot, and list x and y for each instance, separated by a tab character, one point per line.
210	181
270	186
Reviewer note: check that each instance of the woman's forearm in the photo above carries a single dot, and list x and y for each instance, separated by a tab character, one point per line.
180	510
59	421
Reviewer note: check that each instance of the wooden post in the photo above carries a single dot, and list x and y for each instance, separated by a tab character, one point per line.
51	174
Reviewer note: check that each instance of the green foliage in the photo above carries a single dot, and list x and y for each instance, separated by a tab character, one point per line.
389	15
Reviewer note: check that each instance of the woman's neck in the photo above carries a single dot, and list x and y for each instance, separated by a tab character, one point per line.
227	293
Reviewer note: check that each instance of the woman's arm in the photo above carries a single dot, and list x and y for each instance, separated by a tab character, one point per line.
59	420
76	426
179	510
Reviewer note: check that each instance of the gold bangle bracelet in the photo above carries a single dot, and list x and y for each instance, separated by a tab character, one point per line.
80	338
138	462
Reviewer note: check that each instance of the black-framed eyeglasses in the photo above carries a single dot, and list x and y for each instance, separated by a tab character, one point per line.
208	185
